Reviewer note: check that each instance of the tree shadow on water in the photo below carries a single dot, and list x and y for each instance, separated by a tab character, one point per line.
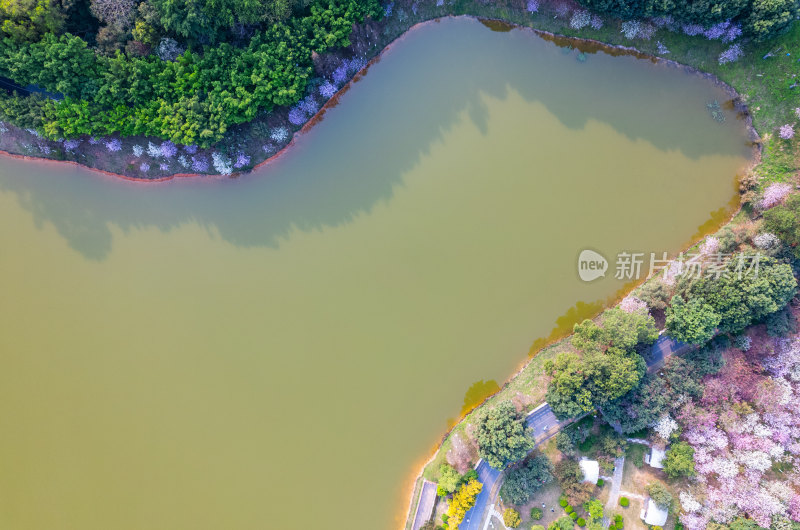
357	156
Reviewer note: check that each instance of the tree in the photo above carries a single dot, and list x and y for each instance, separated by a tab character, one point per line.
525	479
746	293
767	18
511	518
679	460
784	221
618	329
502	435
594	508
462	501
27	20
570	478
114	12
694	322
448	478
564	444
562	523
581	384
660	494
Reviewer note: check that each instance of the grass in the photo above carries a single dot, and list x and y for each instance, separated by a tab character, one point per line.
635	454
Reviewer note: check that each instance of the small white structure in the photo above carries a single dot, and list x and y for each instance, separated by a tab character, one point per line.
591	470
653	515
657	457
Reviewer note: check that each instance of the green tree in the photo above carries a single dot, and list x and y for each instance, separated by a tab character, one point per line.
694	322
747	294
562	523
502	435
565	444
449	478
525	479
618	330
784	221
660	494
767	18
594	508
679	460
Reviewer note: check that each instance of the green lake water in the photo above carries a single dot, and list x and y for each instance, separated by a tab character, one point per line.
284	349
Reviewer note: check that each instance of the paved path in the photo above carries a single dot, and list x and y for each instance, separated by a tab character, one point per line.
427	500
544	425
616	483
489	477
663	348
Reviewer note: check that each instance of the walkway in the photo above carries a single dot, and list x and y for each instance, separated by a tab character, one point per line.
427	500
616	483
489	477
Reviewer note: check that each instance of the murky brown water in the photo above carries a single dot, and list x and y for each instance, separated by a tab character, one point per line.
280	351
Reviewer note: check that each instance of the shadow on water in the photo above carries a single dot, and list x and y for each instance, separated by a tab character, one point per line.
359	153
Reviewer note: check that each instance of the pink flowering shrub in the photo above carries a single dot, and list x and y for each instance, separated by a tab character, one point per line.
631	304
774	194
786	132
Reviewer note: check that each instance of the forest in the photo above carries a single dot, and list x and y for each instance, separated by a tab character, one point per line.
186	71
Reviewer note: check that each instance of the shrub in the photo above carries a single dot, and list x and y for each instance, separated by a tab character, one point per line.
573	516
537	527
660	494
511	518
563	502
569	509
624	502
581	522
600	483
536	513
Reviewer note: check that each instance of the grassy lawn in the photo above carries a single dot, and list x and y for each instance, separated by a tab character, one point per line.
635	454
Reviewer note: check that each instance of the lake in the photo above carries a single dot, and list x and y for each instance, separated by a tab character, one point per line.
284	349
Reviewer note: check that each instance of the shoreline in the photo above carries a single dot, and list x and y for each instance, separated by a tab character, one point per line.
581	44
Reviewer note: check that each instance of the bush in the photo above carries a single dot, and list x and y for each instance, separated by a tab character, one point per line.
511	518
569	509
600	483
624	502
537	527
573	516
563	502
536	513
581	522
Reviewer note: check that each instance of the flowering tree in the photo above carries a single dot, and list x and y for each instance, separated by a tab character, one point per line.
786	132
746	423
774	194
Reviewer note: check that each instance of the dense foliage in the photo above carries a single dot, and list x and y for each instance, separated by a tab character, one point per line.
191	99
524	480
760	19
608	367
502	435
741	295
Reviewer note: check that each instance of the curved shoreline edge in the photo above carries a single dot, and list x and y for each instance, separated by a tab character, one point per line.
409	486
755	160
577	42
